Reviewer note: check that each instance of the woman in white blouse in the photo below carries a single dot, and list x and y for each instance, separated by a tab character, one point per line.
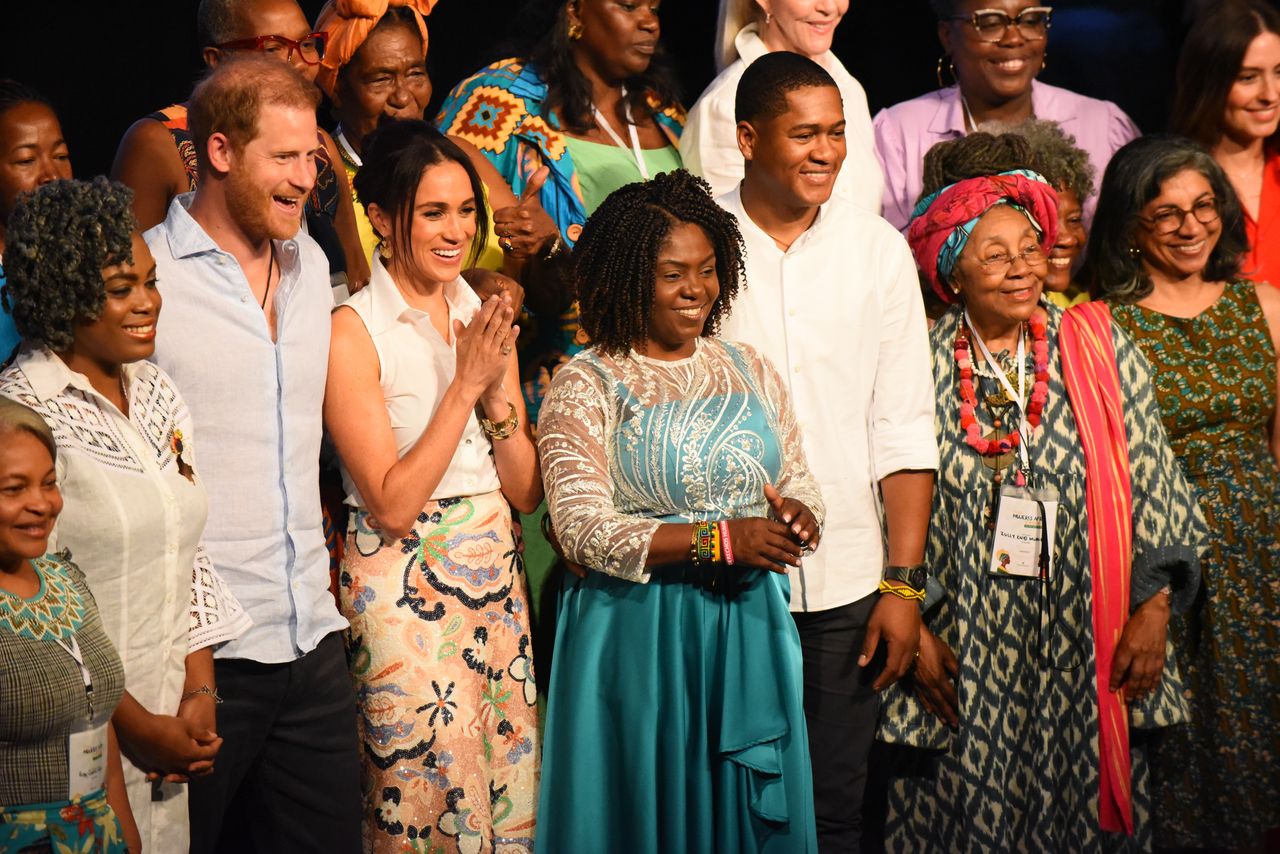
423	404
82	286
747	30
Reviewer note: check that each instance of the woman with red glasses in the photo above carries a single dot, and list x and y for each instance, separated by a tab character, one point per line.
157	159
992	50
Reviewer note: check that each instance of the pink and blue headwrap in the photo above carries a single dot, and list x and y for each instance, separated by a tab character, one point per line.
941	223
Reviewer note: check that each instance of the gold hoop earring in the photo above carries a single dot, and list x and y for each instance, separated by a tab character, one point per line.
951	66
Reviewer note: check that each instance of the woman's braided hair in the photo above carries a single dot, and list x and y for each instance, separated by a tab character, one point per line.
615	260
59	239
973	156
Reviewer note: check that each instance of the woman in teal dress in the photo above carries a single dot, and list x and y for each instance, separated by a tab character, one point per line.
674	721
1021	726
1166	251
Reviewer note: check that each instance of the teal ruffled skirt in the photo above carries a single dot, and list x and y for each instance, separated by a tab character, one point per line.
675	720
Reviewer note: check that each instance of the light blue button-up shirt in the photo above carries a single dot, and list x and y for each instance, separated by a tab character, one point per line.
256	404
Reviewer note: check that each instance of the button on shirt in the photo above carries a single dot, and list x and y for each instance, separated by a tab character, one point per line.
840	316
257	404
416	366
709	144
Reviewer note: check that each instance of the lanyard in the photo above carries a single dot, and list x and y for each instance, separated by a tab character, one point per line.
617	140
1016	396
73	649
341	138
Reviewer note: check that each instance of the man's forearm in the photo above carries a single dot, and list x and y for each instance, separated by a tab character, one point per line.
908	497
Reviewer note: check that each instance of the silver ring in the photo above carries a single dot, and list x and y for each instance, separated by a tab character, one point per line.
506	349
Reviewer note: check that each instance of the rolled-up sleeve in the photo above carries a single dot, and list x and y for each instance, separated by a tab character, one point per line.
902	404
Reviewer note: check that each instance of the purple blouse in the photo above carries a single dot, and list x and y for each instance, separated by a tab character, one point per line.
904	132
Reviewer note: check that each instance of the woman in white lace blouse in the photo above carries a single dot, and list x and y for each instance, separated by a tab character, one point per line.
676	681
83	289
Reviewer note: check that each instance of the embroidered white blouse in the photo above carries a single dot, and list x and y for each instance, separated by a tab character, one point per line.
133	520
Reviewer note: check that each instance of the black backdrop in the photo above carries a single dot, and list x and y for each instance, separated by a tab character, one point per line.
107	63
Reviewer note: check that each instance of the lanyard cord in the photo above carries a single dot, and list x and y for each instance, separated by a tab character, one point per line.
631	128
1019	396
73	649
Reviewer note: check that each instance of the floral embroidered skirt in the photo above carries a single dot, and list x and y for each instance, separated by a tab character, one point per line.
80	826
439	651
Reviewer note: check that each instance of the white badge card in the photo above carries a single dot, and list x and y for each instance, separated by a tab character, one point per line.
1021	528
87	761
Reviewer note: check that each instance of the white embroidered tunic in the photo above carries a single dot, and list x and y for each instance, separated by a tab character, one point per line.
133	522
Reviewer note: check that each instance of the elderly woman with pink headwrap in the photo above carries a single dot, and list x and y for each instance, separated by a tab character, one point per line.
373	69
1062	534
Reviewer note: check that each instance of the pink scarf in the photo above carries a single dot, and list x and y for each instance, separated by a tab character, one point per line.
1093	386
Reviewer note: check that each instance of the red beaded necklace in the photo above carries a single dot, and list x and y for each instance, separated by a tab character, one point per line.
969	398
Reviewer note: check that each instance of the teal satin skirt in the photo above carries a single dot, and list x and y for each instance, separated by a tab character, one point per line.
675	720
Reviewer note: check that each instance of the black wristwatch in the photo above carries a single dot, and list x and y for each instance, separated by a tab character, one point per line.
912	576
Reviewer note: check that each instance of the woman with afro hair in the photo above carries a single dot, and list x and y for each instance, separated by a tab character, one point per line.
85	299
676	478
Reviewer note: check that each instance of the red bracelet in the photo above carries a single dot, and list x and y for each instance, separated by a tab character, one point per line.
726	548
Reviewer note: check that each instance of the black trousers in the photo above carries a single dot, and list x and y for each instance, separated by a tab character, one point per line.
288	775
840	712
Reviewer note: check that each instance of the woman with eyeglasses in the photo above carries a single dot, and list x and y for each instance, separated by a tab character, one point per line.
157	157
1228	100
1165	252
992	51
1041	658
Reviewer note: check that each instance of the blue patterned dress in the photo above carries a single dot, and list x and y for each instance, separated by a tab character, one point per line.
1217	781
1021	771
675	718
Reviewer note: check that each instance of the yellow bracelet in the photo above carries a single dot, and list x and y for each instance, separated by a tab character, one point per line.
902	591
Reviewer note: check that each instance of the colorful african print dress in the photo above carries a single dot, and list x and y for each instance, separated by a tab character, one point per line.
675	719
1217	781
1021	772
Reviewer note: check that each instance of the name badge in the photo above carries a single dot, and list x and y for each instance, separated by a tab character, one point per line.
1024	531
87	761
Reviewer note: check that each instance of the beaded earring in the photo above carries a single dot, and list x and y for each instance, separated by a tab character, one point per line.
951	66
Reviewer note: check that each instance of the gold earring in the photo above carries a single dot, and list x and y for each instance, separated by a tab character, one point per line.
951	66
1044	61
385	248
768	16
1134	252
575	31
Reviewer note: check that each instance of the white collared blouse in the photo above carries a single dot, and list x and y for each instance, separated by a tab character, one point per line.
416	366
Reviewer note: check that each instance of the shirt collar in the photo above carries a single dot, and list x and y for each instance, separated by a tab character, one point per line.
49	376
733	200
188	238
387	306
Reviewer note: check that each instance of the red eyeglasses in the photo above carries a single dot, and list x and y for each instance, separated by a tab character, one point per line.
310	49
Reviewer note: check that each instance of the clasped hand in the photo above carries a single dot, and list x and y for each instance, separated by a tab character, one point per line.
484	346
524	229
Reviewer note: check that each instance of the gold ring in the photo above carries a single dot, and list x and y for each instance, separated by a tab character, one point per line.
506	349
506	243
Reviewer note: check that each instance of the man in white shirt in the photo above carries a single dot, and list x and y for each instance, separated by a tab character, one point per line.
833	300
245	335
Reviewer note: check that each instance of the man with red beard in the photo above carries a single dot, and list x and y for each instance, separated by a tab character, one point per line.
245	335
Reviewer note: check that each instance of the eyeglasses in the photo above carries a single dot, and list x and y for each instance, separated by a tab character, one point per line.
992	25
310	48
1170	219
998	265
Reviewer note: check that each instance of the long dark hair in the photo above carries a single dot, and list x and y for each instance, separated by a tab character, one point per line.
395	156
568	92
1133	178
1210	61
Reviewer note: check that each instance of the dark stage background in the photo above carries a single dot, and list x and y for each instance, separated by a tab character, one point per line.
105	64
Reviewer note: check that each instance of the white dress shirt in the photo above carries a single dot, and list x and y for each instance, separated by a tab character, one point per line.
257	403
709	144
133	522
416	366
840	315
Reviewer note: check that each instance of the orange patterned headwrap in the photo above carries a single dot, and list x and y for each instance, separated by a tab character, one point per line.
349	22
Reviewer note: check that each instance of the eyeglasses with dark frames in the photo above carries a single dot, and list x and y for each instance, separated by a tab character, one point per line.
992	25
309	48
1170	219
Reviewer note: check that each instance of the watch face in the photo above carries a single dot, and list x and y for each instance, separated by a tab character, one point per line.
916	578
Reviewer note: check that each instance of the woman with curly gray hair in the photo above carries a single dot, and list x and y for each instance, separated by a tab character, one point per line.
83	288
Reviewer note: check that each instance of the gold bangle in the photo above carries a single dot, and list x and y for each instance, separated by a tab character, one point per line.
902	591
503	429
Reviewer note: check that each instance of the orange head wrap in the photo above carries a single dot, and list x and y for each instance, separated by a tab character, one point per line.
349	22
